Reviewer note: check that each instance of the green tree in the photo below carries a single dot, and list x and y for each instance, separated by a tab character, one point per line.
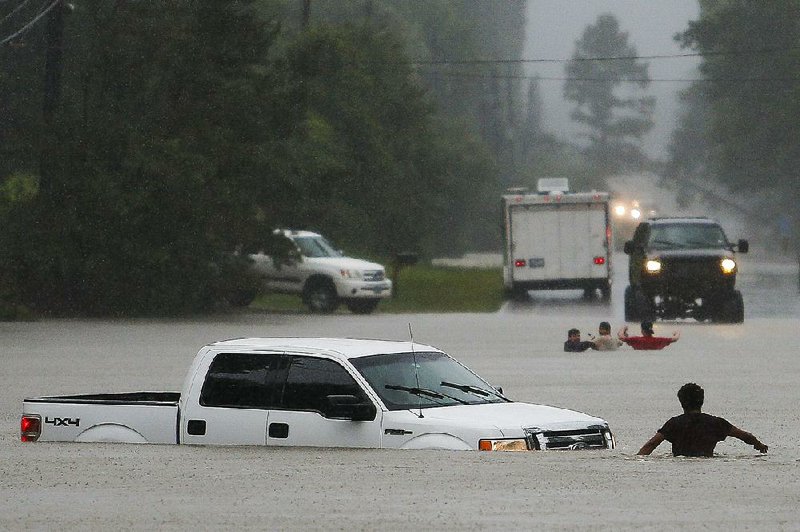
158	157
375	151
615	119
753	95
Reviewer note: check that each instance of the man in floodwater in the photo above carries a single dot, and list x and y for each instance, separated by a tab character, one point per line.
647	341
604	341
695	433
574	343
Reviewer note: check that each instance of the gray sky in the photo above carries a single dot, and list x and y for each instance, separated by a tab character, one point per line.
555	25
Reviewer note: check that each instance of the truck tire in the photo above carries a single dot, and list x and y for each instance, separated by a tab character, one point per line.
644	306
631	310
605	292
320	296
637	305
732	309
362	306
518	293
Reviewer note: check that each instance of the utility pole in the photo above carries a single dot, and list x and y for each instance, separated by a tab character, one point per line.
53	66
306	13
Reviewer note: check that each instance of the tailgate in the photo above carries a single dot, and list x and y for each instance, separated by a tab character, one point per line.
559	241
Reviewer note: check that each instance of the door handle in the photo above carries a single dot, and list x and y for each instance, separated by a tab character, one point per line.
278	430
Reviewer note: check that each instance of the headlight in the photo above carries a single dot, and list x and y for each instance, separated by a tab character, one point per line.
728	265
351	274
619	210
636	214
652	266
517	444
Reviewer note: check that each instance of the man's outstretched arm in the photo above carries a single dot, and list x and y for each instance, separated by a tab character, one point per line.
651	444
748	438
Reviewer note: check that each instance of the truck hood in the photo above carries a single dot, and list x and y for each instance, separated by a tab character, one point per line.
347	263
511	417
690	253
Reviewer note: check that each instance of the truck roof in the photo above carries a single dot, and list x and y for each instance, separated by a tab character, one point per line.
556	198
682	220
337	347
295	232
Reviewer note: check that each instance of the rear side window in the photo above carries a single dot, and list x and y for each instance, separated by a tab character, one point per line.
310	380
244	380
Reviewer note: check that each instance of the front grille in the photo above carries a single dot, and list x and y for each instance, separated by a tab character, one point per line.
692	268
589	438
374	275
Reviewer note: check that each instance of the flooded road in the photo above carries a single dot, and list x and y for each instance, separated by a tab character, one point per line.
750	373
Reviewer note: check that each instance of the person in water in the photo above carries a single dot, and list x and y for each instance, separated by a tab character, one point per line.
574	343
695	433
647	341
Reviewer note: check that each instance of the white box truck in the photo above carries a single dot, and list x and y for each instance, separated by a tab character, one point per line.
556	239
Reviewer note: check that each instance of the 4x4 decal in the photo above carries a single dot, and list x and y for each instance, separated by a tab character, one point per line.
62	421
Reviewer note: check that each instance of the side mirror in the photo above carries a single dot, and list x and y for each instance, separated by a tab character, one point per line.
499	389
628	247
743	246
350	407
294	256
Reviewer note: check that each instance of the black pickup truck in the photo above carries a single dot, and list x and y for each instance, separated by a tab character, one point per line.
683	267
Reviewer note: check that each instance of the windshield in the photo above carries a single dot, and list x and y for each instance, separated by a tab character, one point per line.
315	246
687	236
438	381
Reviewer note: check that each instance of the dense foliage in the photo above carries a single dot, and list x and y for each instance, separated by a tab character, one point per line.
741	125
171	136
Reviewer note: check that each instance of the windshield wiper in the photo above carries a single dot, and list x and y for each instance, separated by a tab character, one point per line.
424	392
472	389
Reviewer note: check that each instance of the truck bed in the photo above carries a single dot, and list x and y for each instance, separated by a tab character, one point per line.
133	417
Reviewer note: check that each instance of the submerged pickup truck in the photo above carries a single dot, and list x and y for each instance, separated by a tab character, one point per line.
324	392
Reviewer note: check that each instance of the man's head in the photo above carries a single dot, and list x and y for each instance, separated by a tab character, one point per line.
604	328
647	328
691	397
574	335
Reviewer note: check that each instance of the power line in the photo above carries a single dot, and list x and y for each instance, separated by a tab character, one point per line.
624	80
30	24
599	58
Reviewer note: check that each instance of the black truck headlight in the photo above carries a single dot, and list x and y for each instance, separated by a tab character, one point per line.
653	266
728	266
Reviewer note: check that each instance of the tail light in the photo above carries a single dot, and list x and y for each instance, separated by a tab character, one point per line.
599	260
519	263
30	427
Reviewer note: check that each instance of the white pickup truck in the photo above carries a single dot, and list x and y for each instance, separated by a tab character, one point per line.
322	275
323	392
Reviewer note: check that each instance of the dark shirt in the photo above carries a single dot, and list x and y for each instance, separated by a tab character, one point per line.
695	434
577	347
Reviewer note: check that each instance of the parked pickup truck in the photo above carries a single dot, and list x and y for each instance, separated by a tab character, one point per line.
326	392
321	274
